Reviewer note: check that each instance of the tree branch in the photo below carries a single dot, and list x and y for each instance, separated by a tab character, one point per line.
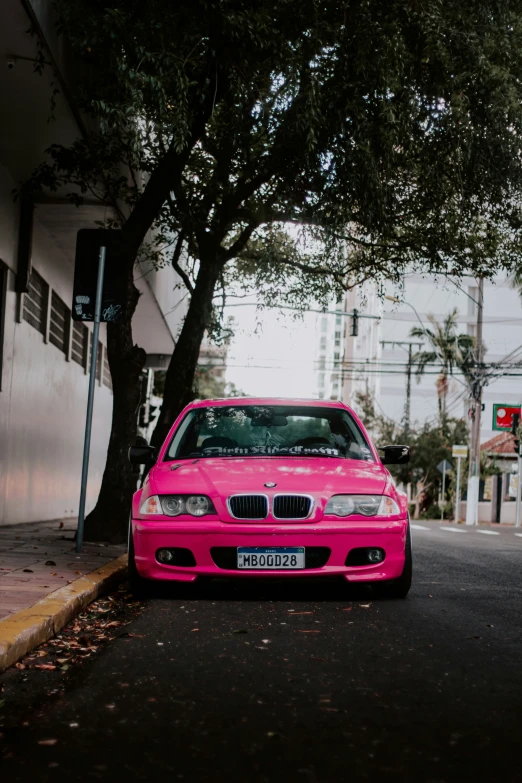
175	263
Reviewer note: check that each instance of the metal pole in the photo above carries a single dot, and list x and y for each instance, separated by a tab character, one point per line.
407	405
474	467
457	491
90	398
443	491
519	492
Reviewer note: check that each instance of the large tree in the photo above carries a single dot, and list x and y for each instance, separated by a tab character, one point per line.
389	133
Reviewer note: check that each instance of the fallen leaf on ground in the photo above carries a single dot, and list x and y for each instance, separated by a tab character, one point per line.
348	609
296	613
19	665
365	606
48	666
309	631
47	742
241	630
50	562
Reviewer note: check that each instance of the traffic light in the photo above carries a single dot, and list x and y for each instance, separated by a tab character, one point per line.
515	421
354	325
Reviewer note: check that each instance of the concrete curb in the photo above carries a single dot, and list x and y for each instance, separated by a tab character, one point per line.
25	630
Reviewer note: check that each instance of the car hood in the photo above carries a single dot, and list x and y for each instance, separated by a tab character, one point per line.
221	477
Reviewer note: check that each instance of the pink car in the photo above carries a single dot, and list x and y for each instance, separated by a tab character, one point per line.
269	488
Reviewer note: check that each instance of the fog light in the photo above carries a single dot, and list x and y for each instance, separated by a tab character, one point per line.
376	555
165	555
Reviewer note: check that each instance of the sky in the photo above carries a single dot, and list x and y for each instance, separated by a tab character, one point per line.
271	353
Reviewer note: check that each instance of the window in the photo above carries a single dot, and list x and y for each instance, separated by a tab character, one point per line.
323	343
80	336
107	378
324	325
59	324
337	356
321	381
268	431
35	302
3	294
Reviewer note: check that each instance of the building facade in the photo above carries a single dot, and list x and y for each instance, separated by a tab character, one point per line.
44	355
376	360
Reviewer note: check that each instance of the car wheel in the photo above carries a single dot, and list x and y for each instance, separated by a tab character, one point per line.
400	587
139	587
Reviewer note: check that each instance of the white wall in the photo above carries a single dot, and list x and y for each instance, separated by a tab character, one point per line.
43	398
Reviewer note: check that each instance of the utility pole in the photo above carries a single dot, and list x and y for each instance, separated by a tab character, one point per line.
476	408
407	402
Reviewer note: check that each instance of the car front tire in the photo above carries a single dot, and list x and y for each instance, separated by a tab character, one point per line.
400	587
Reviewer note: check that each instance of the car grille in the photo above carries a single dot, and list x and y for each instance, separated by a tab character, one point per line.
291	506
248	506
226	556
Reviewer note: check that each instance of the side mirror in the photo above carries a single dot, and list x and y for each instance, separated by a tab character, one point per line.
395	455
142	454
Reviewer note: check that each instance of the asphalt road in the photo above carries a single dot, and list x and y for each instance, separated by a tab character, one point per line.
304	682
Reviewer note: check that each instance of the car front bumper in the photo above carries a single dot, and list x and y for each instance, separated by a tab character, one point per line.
201	537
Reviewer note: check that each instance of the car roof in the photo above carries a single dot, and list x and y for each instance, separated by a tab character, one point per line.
302	402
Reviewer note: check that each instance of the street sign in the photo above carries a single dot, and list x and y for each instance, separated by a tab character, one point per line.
502	415
114	294
444	466
459	451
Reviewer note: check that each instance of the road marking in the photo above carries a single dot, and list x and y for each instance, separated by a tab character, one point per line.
519	535
488	532
453	530
422	527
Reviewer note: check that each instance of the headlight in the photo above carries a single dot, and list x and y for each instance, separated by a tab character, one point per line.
174	505
367	505
198	505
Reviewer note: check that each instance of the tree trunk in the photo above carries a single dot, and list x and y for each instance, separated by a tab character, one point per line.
179	380
109	520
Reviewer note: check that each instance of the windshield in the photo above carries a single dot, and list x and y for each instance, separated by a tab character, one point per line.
255	430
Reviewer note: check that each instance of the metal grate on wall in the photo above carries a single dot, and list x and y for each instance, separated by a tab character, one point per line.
59	323
35	302
80	337
107	378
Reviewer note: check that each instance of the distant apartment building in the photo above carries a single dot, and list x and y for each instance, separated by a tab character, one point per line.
376	359
44	355
330	351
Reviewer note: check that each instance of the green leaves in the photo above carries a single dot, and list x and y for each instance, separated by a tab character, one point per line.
389	132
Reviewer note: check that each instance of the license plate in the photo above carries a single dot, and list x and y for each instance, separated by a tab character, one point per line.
280	558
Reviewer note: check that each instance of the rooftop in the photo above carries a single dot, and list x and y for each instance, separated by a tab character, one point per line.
503	443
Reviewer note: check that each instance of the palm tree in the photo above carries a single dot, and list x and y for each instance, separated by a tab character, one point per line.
447	349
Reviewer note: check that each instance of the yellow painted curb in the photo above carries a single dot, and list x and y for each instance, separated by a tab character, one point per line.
24	630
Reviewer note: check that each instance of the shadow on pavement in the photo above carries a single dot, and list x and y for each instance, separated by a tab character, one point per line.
305	589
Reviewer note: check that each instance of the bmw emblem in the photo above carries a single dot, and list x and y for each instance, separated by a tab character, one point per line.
270	484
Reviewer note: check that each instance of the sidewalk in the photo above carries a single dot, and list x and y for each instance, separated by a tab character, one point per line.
38	558
44	583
